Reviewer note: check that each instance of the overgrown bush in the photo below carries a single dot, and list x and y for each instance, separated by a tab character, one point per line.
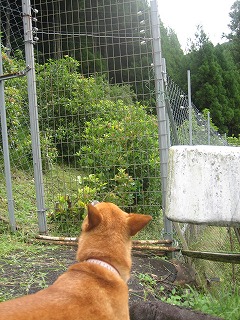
18	121
15	93
87	121
67	100
124	137
102	127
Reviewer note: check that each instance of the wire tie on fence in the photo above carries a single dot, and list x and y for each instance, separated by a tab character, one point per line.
41	210
26	15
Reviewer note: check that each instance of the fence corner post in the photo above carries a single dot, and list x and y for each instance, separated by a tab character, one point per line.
163	133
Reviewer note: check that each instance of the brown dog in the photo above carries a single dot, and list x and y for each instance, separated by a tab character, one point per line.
95	288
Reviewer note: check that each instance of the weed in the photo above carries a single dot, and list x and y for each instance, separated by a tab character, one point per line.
147	279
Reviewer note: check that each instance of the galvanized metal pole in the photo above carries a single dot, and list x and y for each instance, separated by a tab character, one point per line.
7	167
167	104
33	110
190	107
208	128
163	134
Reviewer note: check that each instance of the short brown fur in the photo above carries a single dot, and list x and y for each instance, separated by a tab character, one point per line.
88	290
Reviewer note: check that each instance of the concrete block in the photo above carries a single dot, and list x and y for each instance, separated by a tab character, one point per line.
204	185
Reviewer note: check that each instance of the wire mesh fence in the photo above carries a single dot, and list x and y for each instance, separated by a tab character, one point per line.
203	131
11	26
96	107
15	100
201	238
214	240
97	116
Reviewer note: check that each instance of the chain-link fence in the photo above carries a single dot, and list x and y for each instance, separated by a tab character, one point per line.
97	116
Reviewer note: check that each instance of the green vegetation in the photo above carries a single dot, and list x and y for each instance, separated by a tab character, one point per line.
99	137
89	124
234	141
215	82
222	303
26	267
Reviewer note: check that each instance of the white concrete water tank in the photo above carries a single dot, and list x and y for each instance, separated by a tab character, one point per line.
204	185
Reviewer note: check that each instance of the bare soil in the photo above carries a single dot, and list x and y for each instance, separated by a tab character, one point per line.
21	274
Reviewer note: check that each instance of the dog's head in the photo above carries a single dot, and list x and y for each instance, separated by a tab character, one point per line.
107	216
106	234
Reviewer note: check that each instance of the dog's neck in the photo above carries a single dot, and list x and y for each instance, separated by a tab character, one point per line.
104	264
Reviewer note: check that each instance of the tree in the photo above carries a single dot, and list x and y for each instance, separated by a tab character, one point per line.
231	83
172	52
209	81
234	25
200	40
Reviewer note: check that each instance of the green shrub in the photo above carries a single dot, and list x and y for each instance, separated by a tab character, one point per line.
234	141
72	208
67	100
17	115
124	137
88	122
18	122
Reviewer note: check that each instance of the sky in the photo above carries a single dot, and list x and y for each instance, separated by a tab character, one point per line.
183	16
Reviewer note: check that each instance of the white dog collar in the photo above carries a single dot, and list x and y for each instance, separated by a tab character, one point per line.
103	264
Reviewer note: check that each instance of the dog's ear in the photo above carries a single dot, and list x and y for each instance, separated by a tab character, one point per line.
94	217
136	222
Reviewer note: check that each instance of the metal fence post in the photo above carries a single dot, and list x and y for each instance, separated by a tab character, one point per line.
209	128
7	168
168	112
33	110
163	134
190	107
